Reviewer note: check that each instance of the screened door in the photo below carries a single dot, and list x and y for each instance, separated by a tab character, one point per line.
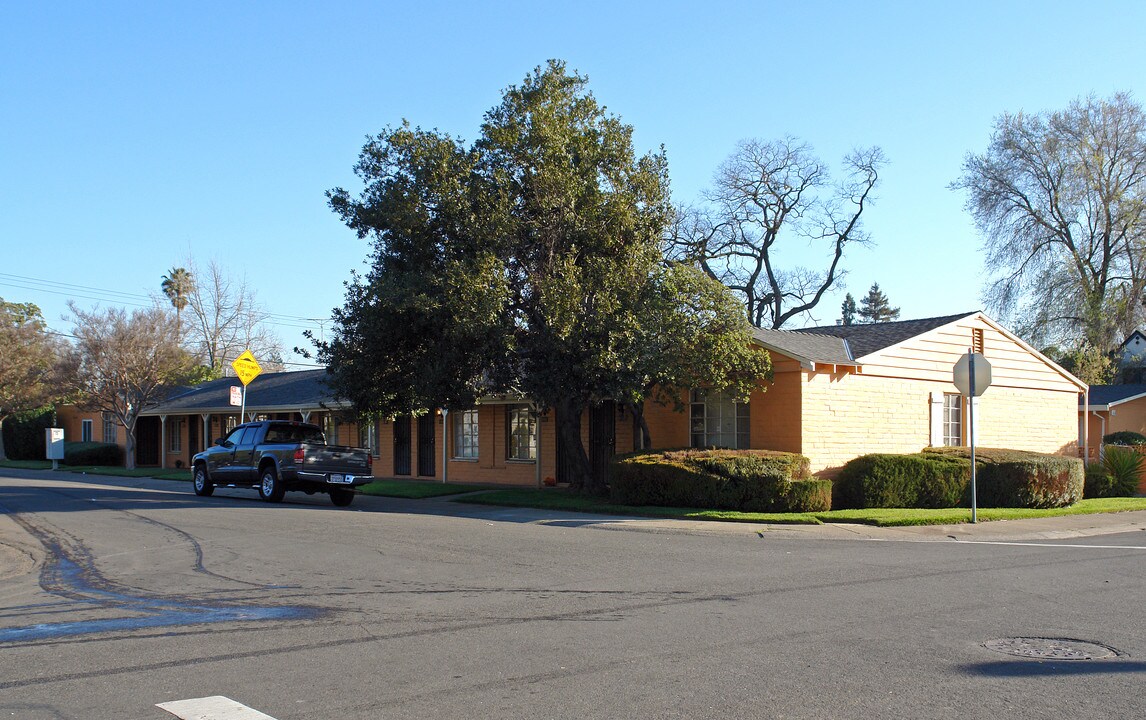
426	445
402	445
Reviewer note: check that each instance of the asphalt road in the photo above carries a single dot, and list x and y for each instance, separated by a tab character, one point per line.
116	595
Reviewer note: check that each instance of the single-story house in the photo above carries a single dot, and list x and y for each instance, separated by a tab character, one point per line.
837	392
1113	408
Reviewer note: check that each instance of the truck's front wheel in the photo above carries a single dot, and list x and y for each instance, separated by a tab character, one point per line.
271	488
203	485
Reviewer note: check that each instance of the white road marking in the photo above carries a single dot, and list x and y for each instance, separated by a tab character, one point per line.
215	707
1051	545
1047	544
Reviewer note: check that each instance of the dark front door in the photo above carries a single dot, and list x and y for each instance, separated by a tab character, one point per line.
564	452
402	445
426	445
602	439
193	434
147	441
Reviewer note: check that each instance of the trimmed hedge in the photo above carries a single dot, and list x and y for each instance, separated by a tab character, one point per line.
1124	437
941	477
743	480
24	434
1019	478
92	453
903	481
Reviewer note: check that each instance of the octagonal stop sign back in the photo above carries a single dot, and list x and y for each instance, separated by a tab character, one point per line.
962	374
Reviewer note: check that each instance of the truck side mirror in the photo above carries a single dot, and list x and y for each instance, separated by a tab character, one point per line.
221	442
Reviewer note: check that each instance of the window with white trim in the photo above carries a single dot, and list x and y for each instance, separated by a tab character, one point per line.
717	420
86	431
952	420
521	433
175	440
368	435
466	434
109	428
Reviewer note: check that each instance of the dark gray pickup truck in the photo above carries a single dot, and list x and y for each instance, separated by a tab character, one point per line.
276	456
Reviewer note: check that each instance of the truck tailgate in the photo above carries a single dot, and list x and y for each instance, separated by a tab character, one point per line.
336	459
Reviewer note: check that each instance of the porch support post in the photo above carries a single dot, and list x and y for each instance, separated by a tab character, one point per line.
537	444
445	446
207	439
163	442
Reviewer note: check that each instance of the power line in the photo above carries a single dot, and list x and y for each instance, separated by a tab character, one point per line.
56	287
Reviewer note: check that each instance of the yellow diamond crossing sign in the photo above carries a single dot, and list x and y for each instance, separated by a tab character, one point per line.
246	367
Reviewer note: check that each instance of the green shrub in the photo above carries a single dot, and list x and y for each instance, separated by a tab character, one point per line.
1019	478
744	480
1120	469
1097	482
1124	437
903	481
92	453
24	434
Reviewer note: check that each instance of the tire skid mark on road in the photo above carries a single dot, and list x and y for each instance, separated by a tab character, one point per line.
70	573
196	547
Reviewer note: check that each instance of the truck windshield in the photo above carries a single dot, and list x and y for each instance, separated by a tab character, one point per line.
295	434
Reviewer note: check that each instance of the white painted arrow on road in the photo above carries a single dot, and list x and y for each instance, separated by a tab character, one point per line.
215	707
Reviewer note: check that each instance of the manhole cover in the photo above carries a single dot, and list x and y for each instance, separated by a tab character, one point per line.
1051	648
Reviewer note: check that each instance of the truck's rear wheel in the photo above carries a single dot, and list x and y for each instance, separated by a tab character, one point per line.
341	497
271	488
203	485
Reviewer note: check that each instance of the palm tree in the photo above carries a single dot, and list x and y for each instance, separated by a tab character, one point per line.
177	285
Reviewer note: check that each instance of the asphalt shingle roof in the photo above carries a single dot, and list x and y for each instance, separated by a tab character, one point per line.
1107	394
870	338
845	344
304	389
805	346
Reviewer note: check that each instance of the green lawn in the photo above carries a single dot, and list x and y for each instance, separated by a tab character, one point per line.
417	489
560	499
563	500
169	474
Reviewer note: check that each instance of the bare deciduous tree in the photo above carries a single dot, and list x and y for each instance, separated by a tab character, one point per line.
1060	199
122	362
769	194
226	319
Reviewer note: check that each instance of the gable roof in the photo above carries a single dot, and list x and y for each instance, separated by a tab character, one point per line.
871	338
1102	397
807	348
269	392
846	344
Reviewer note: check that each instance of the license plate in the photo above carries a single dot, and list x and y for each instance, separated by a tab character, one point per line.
341	479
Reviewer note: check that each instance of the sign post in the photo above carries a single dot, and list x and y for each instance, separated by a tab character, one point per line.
247	369
972	376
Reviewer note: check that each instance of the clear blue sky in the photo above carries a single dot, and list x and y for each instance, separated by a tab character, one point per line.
134	134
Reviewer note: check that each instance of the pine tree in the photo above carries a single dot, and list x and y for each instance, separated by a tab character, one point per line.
849	310
874	307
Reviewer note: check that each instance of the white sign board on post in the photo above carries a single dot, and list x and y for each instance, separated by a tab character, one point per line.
972	376
54	445
236	395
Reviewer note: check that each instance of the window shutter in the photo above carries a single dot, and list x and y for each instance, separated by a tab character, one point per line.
935	436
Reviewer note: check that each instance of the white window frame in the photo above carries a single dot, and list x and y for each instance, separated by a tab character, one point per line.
466	435
368	435
952	420
175	436
110	429
716	420
86	430
520	433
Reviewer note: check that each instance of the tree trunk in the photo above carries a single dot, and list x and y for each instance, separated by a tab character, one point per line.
643	439
569	428
129	445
